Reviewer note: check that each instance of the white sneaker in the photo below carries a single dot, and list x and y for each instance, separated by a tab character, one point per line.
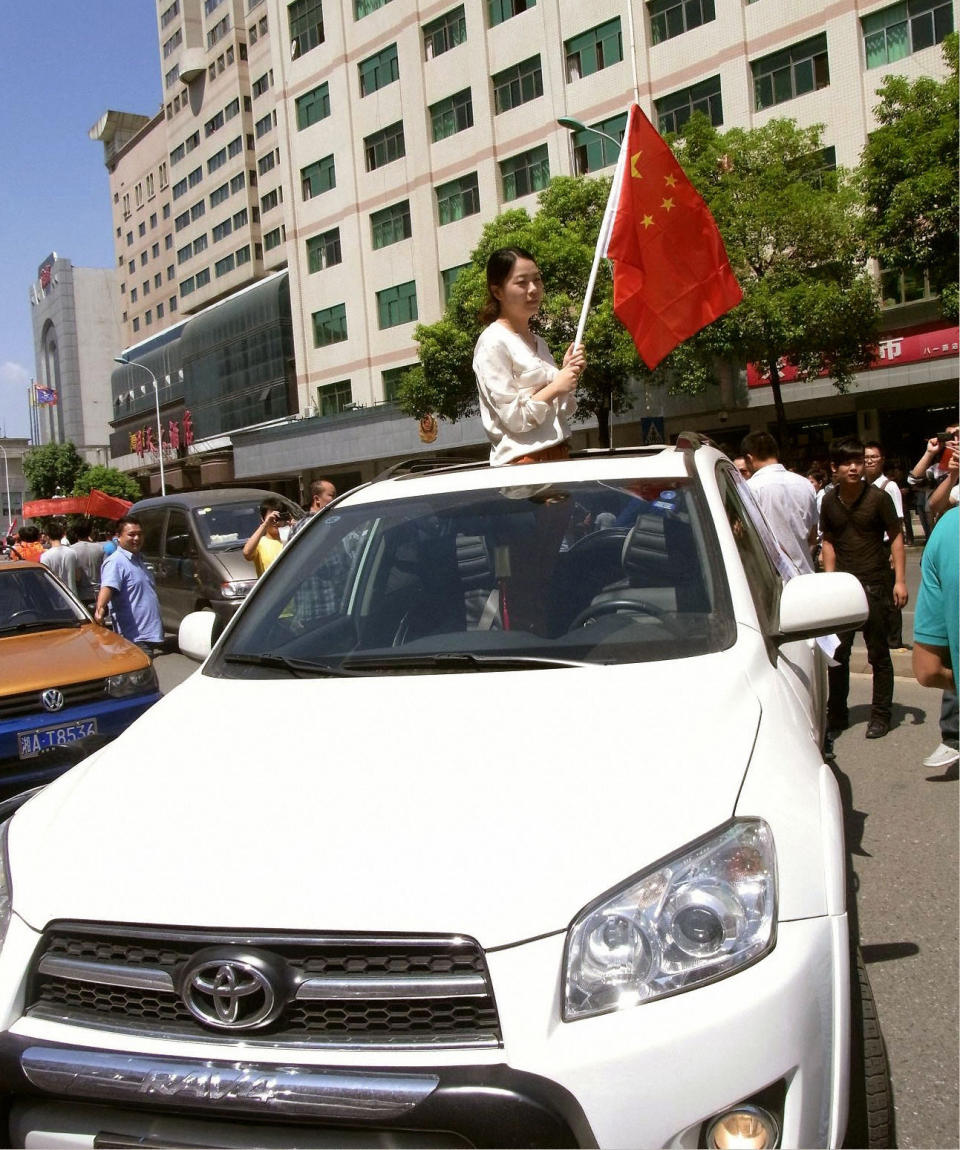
942	757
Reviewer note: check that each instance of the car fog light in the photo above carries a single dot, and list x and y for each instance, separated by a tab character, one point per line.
743	1128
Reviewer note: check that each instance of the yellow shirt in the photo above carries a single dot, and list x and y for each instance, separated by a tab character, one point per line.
267	550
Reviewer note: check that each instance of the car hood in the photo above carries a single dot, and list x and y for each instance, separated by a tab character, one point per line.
493	804
39	659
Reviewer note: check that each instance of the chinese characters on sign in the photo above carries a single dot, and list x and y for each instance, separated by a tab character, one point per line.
144	441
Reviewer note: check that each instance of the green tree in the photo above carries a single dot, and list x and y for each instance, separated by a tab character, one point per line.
109	480
53	466
562	236
908	174
792	232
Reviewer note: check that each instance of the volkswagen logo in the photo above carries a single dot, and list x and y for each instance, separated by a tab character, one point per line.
230	991
52	699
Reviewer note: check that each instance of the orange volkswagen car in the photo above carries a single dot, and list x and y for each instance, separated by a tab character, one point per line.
67	685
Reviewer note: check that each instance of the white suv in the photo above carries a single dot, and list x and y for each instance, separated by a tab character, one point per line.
498	816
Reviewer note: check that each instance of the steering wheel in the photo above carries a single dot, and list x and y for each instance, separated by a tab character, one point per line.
612	606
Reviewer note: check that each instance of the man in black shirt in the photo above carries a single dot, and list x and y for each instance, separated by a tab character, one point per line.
854	517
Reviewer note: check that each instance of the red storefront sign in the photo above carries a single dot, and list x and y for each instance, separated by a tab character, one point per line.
932	341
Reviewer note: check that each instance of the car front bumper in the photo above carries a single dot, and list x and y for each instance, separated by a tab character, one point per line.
646	1076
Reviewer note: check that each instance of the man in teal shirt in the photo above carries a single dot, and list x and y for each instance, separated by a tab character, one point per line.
936	624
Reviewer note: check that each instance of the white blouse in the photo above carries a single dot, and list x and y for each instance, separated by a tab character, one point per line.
508	373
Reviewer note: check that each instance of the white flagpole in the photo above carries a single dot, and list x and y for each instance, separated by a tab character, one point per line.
606	227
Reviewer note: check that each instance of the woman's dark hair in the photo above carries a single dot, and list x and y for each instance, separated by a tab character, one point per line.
499	266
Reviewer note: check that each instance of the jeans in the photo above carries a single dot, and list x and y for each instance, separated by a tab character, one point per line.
949	719
878	654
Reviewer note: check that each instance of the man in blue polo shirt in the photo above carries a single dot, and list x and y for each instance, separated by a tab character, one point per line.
127	587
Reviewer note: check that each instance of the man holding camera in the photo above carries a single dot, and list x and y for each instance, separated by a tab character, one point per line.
266	543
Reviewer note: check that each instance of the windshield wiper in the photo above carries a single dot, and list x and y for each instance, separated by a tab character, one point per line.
455	660
42	625
302	668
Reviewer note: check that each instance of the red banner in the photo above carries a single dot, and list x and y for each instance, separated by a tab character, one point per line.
98	505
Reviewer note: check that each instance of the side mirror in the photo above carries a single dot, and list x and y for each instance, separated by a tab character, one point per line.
195	636
820	604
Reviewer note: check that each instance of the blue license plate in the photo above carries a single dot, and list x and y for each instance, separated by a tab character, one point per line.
33	743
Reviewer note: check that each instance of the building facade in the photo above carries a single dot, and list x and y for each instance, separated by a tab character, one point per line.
362	145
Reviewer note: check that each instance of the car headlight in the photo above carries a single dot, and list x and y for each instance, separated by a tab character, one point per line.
132	683
698	916
4	884
239	589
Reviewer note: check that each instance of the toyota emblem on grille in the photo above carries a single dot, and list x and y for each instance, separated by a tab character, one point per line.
229	991
52	699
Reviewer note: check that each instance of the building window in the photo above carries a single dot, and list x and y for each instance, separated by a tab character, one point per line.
452	115
314	106
263	125
458	199
330	325
318	177
447	32
592	152
181	221
594	50
136	323
232	109
218	31
384	147
195	177
526	173
500	10
269	201
363	8
180	188
669	18
390	225
517	85
222	230
265	163
674	110
217	160
323	251
240	219
397	305
261	85
790	72
235	147
197	210
237	182
203	277
332	398
901	29
903	285
227	264
378	71
214	124
448	278
243	255
218	195
200	244
305	19
272	239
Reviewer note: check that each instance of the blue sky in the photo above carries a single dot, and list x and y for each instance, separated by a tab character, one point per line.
64	64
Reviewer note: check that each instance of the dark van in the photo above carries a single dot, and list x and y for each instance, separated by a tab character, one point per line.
193	543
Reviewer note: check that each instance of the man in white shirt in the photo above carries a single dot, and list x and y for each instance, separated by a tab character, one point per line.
873	460
787	500
61	560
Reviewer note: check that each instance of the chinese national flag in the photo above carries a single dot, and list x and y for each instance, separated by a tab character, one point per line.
671	275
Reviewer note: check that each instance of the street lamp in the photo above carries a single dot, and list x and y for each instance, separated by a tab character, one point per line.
6	472
156	399
579	126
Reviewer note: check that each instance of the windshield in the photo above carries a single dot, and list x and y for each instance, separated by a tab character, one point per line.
227	526
513	577
31	600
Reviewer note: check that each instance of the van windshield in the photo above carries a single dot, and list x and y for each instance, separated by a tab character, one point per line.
226	526
595	572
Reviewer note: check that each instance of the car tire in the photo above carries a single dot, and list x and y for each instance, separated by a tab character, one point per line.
871	1123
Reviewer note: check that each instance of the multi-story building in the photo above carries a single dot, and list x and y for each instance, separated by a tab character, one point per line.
362	145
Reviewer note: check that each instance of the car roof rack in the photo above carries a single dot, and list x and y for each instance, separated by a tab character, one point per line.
423	463
691	441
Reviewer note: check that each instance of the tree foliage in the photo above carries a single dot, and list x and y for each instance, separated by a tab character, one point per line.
109	480
791	230
52	466
908	175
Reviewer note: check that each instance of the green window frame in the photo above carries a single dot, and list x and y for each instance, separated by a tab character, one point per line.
305	21
384	147
500	10
452	115
391	381
674	110
379	70
332	398
363	8
397	305
592	152
669	18
448	277
902	29
324	251
791	72
518	84
594	50
525	173
313	106
330	325
390	225
444	33
318	177
457	199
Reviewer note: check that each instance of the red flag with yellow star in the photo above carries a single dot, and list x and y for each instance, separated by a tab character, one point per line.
671	275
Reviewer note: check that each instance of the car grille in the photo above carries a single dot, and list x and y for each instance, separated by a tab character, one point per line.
338	990
74	695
